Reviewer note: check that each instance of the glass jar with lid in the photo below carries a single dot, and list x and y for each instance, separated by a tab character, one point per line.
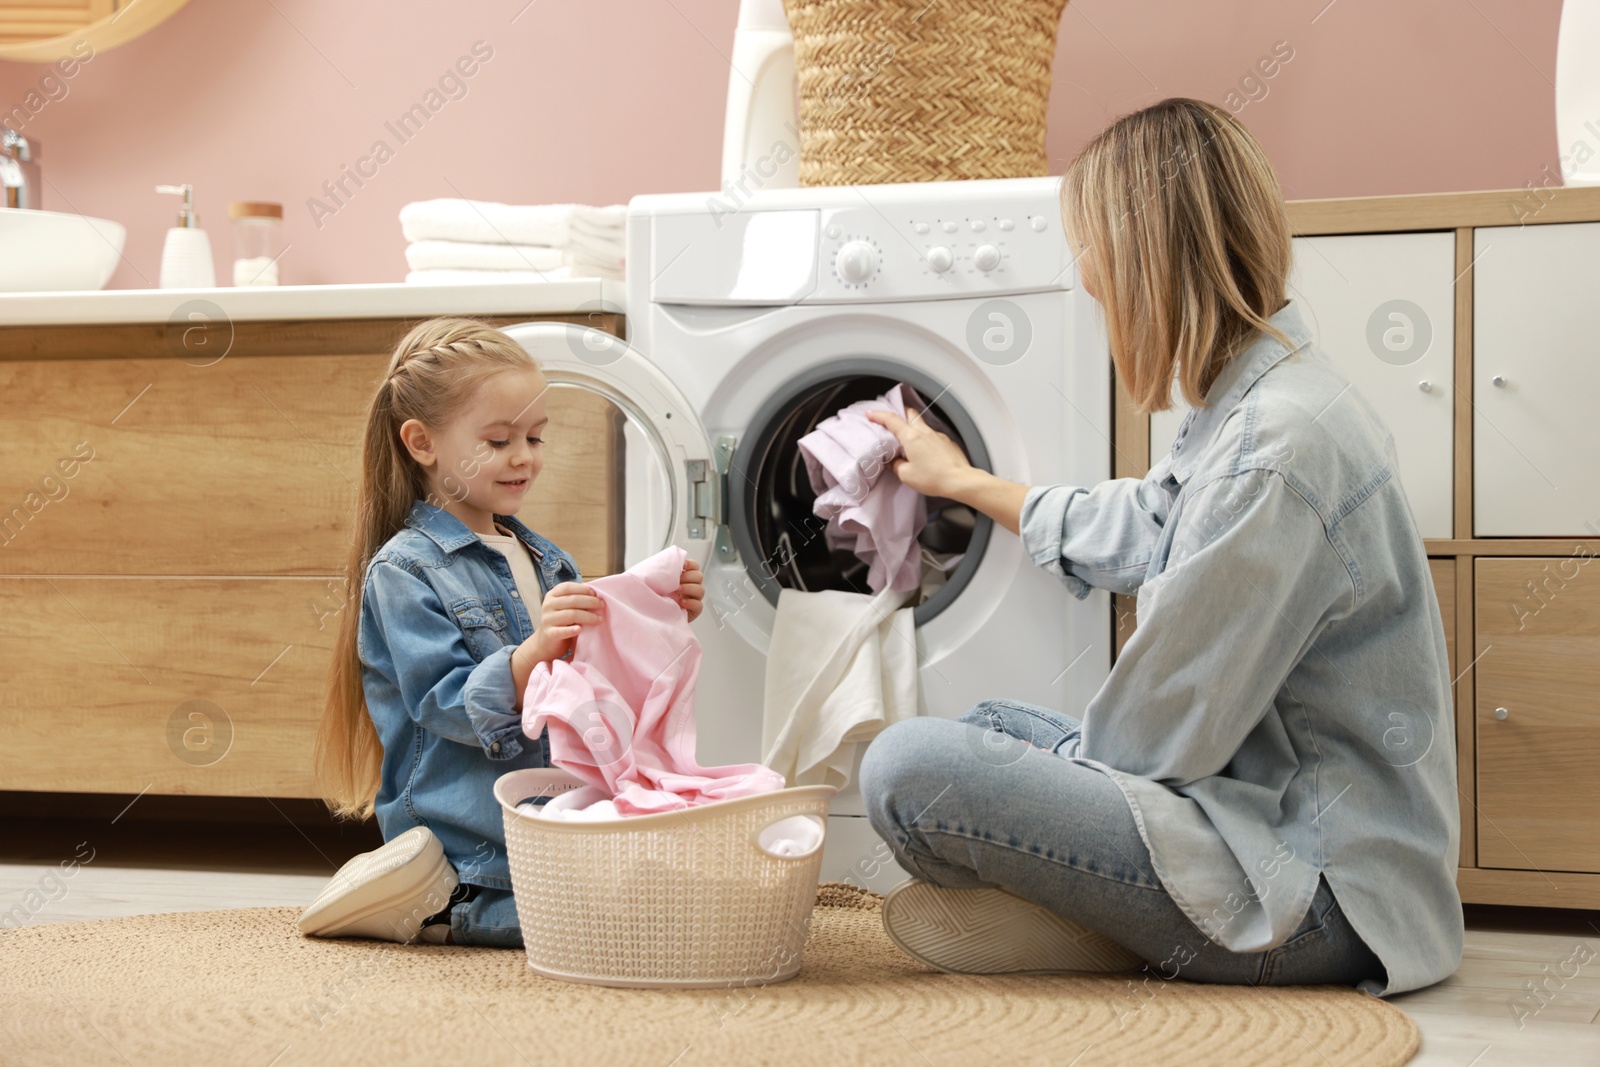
257	241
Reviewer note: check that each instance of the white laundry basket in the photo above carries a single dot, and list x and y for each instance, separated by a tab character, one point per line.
681	898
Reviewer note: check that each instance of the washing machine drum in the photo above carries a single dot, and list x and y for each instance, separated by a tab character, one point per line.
779	537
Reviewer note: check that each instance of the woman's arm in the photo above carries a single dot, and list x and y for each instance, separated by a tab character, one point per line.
1102	536
934	465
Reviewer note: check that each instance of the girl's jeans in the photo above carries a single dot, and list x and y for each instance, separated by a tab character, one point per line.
967	803
488	919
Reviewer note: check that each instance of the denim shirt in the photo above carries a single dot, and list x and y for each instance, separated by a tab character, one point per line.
440	617
1284	707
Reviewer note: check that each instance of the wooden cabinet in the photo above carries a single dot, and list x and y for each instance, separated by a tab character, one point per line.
1536	380
1382	307
1443	572
1537	718
175	536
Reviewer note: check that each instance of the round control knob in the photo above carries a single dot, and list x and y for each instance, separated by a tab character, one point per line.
940	258
987	257
856	262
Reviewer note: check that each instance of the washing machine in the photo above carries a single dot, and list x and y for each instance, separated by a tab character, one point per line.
752	314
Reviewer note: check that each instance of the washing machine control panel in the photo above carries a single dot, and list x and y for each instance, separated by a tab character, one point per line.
893	254
867	244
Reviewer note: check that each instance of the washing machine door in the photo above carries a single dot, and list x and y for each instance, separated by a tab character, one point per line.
636	470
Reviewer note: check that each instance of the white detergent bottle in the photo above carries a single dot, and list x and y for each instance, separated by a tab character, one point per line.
186	256
760	144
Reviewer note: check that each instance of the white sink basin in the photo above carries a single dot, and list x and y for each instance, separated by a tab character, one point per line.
49	251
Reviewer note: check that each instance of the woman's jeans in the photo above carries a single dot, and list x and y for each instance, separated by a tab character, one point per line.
968	803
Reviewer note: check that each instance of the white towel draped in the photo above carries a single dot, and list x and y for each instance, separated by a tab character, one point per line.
841	666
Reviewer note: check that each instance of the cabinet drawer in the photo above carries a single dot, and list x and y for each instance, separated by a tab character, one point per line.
1382	307
209	686
1536	372
1538	712
248	466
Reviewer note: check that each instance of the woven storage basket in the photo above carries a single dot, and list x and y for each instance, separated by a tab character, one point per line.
913	91
682	898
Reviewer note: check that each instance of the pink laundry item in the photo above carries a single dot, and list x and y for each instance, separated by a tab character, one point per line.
621	710
870	511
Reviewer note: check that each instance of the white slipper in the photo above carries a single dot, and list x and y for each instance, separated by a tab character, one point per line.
385	893
991	931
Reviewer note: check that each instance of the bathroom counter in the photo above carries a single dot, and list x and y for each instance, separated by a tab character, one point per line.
387	300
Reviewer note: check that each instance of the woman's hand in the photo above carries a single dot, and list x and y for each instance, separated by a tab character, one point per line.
691	592
936	466
565	611
933	465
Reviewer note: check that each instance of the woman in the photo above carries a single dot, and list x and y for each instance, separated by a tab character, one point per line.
1264	789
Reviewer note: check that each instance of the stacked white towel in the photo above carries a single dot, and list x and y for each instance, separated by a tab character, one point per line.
457	241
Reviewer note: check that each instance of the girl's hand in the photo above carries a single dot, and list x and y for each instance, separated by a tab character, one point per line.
565	611
691	591
933	465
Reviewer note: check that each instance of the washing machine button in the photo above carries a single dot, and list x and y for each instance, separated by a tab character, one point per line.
950	227
833	230
1007	225
940	258
857	262
921	227
1038	222
987	257
978	225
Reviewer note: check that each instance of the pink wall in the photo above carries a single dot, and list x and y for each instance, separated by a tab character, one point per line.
598	100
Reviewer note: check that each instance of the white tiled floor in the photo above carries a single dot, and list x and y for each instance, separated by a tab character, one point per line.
1466	1021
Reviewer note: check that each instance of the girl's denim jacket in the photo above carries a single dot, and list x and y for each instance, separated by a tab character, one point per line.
440	617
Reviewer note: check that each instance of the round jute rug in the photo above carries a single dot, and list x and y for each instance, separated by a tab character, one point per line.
243	987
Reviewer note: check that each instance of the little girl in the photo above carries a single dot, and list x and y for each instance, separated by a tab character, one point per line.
452	603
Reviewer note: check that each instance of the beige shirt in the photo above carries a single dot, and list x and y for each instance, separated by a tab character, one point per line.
510	546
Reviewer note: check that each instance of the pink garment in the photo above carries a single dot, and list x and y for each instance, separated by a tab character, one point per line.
621	710
850	461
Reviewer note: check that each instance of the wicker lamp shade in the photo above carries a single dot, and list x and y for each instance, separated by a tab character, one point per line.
917	91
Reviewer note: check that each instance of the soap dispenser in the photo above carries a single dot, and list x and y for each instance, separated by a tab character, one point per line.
186	257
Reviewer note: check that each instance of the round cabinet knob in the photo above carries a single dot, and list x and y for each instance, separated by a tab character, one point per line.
1502	713
1498	381
1425	385
857	261
940	258
987	257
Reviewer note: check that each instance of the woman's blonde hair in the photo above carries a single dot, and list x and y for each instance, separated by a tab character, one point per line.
1190	240
434	372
